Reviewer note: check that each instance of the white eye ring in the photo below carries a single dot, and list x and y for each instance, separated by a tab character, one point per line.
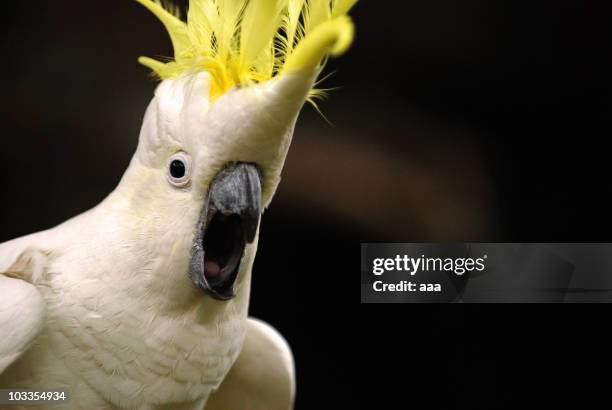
178	169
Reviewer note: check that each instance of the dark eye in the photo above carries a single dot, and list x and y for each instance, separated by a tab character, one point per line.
179	169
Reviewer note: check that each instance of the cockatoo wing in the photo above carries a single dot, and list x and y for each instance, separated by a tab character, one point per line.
22	307
263	376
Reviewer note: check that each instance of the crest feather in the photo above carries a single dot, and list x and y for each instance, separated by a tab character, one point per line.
243	42
175	27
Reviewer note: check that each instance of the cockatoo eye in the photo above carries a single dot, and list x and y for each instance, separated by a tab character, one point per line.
179	169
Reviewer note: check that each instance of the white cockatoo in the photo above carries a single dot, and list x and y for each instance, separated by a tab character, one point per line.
142	301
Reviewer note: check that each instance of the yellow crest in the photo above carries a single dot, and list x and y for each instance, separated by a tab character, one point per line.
243	42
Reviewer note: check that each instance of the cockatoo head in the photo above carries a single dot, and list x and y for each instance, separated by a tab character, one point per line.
215	136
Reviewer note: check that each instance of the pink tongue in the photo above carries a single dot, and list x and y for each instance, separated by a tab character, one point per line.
212	269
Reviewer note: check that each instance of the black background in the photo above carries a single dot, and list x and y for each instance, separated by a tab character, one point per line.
455	121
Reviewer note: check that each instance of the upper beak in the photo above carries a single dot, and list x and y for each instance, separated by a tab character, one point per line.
237	191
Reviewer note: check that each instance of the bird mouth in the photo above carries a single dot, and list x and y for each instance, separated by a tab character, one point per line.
228	222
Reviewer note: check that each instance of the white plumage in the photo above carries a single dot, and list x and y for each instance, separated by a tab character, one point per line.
115	305
102	305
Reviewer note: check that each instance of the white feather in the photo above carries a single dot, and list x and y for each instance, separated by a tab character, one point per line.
123	320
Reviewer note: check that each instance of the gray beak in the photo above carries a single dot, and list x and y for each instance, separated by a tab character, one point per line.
228	222
237	191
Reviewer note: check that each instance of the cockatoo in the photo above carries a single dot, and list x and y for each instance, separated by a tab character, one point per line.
142	301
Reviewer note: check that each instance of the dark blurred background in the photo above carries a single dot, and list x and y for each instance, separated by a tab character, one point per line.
464	120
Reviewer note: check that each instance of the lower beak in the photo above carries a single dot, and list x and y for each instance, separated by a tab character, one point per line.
228	222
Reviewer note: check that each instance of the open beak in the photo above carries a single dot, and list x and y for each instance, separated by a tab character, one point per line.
228	222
